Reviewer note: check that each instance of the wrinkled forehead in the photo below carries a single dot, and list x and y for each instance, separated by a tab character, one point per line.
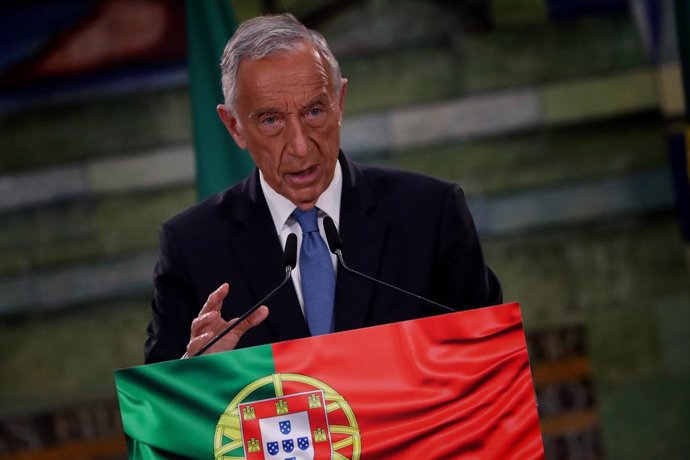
298	53
300	72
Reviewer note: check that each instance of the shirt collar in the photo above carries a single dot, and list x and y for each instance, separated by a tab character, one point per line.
281	208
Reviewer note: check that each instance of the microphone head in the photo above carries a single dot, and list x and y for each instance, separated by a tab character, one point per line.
290	254
332	236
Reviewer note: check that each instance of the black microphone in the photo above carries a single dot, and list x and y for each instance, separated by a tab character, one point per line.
335	244
289	261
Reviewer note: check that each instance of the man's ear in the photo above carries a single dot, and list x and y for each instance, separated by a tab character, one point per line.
232	124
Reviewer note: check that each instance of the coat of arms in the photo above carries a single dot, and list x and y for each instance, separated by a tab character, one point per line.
293	427
306	419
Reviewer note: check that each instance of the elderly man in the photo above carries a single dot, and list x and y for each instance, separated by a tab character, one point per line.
284	99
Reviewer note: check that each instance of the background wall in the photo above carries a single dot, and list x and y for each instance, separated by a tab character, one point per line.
558	118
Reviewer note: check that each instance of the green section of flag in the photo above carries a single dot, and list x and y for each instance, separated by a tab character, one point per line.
158	401
219	162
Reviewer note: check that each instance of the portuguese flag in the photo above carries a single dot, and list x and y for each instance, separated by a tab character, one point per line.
446	387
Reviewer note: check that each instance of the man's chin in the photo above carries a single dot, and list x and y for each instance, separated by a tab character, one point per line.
304	201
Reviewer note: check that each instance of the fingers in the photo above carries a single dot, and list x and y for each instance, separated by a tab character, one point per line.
195	343
204	328
215	299
209	323
209	319
229	341
252	320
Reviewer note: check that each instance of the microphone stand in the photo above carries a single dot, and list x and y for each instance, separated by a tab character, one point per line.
335	244
290	255
339	254
233	325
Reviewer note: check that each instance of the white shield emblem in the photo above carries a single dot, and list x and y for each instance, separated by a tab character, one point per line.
284	441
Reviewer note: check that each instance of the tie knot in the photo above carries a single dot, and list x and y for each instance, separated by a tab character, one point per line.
307	220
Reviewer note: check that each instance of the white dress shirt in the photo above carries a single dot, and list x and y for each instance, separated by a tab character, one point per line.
281	209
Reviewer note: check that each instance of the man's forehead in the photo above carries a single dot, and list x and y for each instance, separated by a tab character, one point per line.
297	76
283	67
300	54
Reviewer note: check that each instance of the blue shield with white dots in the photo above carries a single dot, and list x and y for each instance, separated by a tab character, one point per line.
272	448
303	443
285	426
288	445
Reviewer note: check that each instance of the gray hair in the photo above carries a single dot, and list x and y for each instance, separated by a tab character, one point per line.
264	36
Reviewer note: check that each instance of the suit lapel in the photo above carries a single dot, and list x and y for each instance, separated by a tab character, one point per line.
363	235
260	256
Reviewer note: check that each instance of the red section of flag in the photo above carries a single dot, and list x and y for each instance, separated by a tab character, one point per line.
451	386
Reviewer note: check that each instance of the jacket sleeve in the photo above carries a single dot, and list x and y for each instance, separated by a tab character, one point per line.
174	303
462	278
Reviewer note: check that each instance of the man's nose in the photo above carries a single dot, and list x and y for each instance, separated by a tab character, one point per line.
297	140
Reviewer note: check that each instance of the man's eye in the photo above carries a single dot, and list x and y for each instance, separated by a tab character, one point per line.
270	120
315	114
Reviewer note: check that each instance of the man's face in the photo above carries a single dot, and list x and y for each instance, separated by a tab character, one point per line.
288	117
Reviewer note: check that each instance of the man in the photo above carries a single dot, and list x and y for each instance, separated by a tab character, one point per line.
284	99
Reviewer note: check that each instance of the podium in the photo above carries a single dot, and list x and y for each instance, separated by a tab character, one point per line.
452	386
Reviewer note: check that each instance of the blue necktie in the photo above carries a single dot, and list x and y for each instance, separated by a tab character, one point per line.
317	274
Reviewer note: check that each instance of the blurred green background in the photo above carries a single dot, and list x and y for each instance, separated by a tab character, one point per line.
561	119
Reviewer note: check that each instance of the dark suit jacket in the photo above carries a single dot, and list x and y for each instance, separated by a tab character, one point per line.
407	229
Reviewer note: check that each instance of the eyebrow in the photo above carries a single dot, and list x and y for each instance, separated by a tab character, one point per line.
319	98
254	114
